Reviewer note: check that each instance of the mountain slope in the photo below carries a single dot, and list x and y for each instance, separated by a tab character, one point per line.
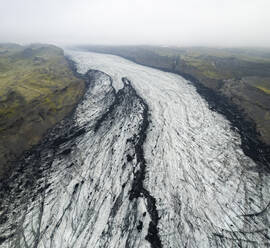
37	89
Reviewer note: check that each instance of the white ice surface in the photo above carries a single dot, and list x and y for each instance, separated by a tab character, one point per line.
203	183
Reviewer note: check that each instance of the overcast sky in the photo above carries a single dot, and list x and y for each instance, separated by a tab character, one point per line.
159	22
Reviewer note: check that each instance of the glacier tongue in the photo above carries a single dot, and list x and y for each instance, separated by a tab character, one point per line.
209	194
143	162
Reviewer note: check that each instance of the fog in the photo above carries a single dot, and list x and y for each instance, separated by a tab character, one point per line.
157	22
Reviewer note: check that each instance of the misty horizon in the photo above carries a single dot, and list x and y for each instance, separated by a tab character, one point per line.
207	23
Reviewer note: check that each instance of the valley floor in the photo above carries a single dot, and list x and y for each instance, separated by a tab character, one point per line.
144	162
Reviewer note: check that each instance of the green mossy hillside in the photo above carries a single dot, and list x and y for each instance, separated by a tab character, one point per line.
37	89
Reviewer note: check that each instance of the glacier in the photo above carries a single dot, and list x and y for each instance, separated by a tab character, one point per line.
142	162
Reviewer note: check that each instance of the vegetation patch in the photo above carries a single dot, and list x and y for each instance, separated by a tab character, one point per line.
267	91
37	89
